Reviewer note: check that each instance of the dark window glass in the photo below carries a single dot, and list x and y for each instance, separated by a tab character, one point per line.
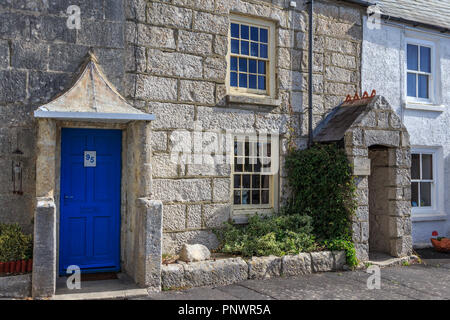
261	83
252	65
235	46
244	31
244	47
254	49
237	181
425	194
233	64
265	196
423	86
234	30
427	167
262	67
252	81
254	33
412	57
242	65
255	197
245	197
246	181
263	51
425	59
263	35
237	197
233	79
411	86
243	80
265	181
256	181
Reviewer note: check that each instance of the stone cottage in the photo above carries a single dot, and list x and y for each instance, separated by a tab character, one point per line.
410	47
131	127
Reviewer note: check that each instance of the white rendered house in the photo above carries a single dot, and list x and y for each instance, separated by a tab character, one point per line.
406	58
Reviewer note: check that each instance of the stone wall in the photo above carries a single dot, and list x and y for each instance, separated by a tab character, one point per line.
176	68
38	58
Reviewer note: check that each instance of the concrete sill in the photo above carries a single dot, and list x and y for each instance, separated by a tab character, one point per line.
259	101
425	107
428	217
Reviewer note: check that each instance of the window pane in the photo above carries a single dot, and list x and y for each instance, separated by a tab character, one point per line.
234	30
257	166
252	81
244	32
233	79
256	181
414	194
262	67
412	57
247	166
233	64
427	166
238	167
265	182
244	47
263	35
237	181
245	197
263	51
242	65
415	166
425	194
255	197
237	197
242	80
254	33
252	66
265	196
254	49
425	59
411	90
234	46
246	181
261	83
423	86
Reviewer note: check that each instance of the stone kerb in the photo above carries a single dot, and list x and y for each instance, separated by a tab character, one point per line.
233	270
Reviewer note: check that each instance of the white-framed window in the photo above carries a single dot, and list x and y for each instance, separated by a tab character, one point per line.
251	57
423	185
254	172
420	71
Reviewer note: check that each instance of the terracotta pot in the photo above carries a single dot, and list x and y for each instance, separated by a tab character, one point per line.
442	246
29	265
23	266
2	267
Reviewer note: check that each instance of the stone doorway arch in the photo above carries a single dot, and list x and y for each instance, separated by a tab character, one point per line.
377	145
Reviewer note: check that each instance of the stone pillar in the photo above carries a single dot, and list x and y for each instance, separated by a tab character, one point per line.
44	251
148	262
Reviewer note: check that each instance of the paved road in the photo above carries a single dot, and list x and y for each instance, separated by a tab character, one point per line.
424	281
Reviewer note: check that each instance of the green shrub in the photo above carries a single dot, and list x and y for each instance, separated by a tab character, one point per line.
341	244
14	244
322	186
274	235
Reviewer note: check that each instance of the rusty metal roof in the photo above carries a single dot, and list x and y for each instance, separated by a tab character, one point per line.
93	97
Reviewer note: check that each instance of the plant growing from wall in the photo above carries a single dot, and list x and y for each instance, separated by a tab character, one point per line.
322	187
14	244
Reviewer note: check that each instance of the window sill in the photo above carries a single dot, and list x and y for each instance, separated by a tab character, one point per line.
264	101
425	106
423	217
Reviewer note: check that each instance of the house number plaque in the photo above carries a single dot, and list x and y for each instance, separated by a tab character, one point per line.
90	158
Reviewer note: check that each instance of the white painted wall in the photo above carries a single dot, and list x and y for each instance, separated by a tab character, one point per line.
384	69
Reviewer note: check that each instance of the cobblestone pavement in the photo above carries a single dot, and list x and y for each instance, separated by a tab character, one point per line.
425	281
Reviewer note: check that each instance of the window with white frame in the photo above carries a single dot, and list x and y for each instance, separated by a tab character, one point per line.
251	56
419	70
255	166
423	181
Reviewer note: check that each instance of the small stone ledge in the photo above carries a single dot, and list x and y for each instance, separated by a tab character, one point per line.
249	100
15	286
227	271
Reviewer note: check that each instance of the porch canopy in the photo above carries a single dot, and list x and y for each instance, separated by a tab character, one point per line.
91	98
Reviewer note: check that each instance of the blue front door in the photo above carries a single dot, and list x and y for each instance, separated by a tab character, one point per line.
90	199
